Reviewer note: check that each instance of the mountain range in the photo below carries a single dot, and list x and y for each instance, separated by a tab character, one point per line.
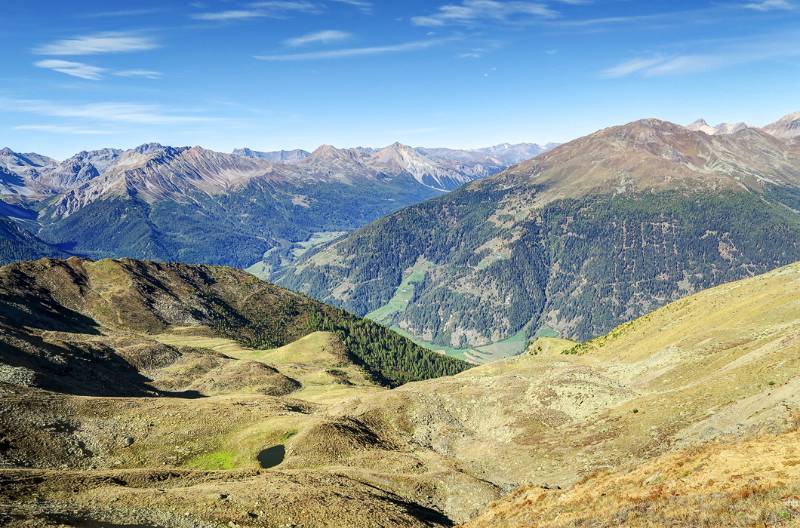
645	279
574	242
723	128
787	127
197	205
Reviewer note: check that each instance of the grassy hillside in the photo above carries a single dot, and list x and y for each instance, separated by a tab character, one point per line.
742	484
149	298
689	412
718	365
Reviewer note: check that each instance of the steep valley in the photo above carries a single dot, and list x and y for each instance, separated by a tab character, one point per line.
574	242
185	421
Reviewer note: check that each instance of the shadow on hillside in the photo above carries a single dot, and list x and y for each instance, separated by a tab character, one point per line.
42	312
73	518
85	369
423	513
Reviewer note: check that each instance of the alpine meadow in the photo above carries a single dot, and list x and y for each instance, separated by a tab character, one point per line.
361	263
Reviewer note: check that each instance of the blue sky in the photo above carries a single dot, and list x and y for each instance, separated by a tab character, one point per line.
461	73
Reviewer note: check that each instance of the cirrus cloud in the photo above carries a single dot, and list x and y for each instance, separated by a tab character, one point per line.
354	52
108	112
320	37
745	51
770	5
74	69
479	11
269	8
109	42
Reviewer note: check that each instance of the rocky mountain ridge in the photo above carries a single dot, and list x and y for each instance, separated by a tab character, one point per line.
723	128
787	127
155	201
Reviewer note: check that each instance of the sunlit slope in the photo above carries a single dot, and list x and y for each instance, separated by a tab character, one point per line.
748	483
724	362
297	427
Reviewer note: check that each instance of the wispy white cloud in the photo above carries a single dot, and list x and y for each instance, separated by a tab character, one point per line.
272	9
123	13
93	73
475	53
770	5
757	50
63	129
481	11
607	21
320	37
287	5
707	14
75	69
231	14
110	112
142	74
110	42
478	52
632	66
363	5
354	52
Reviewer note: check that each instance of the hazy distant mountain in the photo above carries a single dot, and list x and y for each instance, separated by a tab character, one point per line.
153	172
19	172
577	240
439	168
33	176
278	156
723	128
787	127
78	169
197	205
503	154
442	174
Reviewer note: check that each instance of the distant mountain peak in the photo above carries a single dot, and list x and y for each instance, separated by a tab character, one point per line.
277	156
397	148
656	155
324	149
329	152
787	127
147	148
701	125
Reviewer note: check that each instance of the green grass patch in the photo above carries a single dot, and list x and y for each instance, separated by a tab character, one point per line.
402	295
215	460
464	354
545	331
510	346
